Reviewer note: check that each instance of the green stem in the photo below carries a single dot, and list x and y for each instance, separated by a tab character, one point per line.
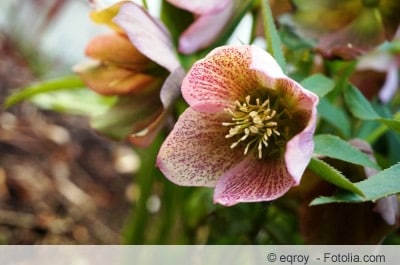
134	231
144	2
272	36
63	83
171	198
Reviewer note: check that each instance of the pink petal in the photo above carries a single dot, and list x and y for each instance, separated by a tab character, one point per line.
148	35
172	87
388	208
391	83
205	30
201	6
219	79
253	180
266	66
196	152
300	148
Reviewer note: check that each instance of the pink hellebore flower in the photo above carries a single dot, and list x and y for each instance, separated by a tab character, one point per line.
211	17
137	63
248	131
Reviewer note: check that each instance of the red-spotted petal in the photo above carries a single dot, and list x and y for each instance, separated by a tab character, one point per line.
303	106
196	152
220	79
253	180
266	66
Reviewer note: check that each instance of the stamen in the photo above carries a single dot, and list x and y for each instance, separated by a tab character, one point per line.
252	124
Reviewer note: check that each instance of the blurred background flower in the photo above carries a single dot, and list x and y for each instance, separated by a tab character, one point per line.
346	28
132	63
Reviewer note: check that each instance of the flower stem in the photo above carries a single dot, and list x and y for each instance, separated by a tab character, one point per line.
134	231
271	35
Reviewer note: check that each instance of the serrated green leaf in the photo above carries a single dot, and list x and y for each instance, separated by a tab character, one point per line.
362	109
385	183
319	84
335	116
274	44
332	175
334	147
63	83
359	105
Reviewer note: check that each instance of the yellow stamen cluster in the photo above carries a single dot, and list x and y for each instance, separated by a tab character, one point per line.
253	124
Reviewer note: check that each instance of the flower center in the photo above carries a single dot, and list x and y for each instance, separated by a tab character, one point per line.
252	124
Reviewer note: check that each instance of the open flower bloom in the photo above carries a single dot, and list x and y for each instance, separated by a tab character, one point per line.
347	28
132	63
211	17
248	130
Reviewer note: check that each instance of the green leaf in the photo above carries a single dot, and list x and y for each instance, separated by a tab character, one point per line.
78	102
63	83
385	183
332	175
335	116
319	84
274	44
334	147
362	109
359	105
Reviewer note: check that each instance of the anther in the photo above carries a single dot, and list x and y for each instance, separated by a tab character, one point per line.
252	124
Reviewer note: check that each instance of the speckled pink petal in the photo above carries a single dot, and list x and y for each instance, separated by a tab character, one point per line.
253	180
147	34
219	79
205	30
201	6
266	66
196	152
299	149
